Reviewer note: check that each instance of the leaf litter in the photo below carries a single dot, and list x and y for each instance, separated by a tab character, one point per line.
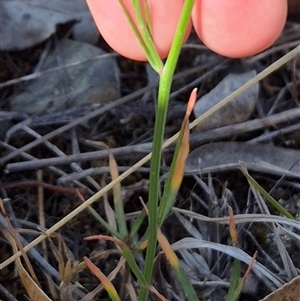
266	139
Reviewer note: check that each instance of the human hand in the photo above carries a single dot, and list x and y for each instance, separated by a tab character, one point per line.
233	28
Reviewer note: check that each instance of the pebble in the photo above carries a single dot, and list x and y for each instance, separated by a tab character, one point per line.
92	80
236	111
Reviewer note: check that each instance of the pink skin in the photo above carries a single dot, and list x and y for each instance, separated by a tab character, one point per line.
233	28
116	31
239	28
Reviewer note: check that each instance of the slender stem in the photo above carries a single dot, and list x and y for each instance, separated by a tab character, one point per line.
144	27
173	56
154	186
165	83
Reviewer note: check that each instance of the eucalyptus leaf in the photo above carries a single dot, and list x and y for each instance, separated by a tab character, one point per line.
25	23
224	156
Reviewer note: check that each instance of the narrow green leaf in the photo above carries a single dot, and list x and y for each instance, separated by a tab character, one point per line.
178	164
232	229
109	287
137	224
240	286
236	269
143	33
134	28
118	204
187	287
234	280
105	224
265	194
126	252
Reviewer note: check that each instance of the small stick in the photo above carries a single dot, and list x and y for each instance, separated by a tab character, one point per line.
35	183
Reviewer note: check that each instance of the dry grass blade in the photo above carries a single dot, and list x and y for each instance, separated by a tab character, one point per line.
242	218
258	268
13	238
159	296
286	259
109	212
33	289
66	266
131	291
118	204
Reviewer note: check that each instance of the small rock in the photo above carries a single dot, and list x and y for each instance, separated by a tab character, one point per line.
92	81
236	111
28	23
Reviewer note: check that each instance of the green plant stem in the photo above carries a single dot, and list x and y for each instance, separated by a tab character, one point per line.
144	27
165	83
154	186
142	34
234	280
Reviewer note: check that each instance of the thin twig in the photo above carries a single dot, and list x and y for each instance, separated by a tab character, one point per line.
36	183
74	123
195	139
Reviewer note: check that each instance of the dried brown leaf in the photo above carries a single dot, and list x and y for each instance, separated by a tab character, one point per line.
288	292
265	158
